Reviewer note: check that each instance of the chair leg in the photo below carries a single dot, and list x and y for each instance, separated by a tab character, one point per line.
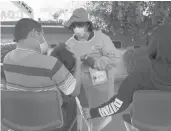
126	118
75	121
130	127
79	122
127	126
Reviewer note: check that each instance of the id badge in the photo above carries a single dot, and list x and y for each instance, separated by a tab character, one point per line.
98	77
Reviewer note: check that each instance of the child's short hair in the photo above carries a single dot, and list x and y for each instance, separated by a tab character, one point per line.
65	56
23	27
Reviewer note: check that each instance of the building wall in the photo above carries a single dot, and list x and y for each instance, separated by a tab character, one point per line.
53	34
58	34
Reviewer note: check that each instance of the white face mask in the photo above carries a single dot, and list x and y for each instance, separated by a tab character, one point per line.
42	42
43	45
79	31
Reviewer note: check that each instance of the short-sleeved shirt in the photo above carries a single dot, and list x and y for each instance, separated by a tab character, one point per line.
32	71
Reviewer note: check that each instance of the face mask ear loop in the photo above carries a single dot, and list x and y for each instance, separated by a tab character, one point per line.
44	40
44	43
32	35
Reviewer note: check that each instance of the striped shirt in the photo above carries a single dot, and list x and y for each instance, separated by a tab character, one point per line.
28	70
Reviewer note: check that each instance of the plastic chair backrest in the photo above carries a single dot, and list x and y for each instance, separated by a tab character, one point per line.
31	111
152	109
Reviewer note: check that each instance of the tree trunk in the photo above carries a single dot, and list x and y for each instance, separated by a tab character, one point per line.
156	13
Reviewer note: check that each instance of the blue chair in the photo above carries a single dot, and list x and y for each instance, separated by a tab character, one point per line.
151	111
31	111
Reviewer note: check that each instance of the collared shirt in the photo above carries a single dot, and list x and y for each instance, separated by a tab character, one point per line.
29	70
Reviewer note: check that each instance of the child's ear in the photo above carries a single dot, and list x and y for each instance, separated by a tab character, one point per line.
31	34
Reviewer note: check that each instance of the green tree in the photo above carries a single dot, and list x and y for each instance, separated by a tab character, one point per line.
136	17
57	14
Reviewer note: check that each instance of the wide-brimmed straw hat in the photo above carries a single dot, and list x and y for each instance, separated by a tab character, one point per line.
78	15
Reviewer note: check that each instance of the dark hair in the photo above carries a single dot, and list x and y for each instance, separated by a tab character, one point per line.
81	24
23	27
65	56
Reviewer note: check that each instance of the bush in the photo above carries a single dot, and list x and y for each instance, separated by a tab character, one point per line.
5	49
136	59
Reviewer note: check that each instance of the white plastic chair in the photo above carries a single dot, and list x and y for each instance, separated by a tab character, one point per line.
151	111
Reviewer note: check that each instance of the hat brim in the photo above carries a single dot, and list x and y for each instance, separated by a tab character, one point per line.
68	23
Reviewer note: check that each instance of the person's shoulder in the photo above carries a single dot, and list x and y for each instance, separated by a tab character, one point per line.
70	42
142	77
47	61
6	57
98	32
70	39
47	58
101	34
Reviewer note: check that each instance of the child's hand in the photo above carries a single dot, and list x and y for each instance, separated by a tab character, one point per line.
83	57
86	113
104	63
89	61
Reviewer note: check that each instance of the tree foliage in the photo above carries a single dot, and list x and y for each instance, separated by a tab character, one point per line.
126	16
135	17
57	14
